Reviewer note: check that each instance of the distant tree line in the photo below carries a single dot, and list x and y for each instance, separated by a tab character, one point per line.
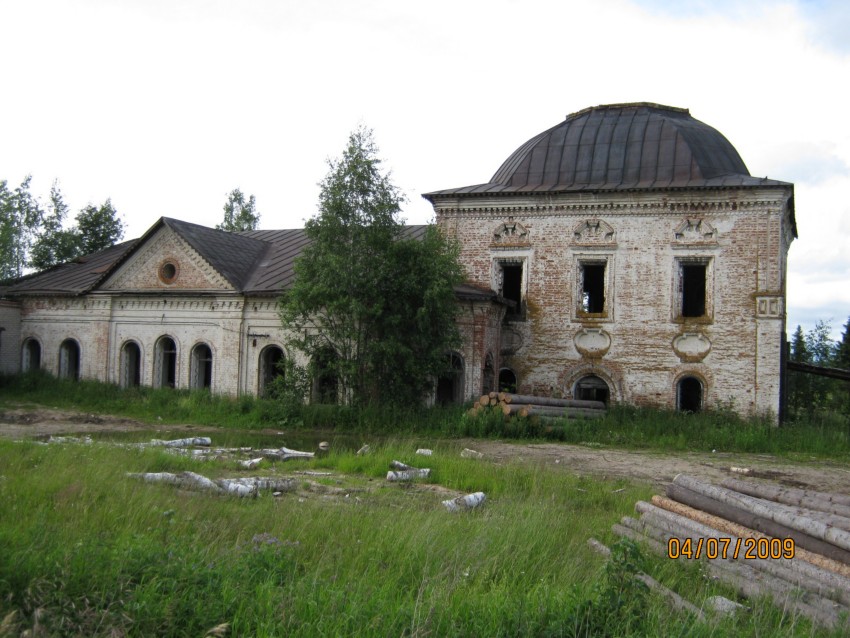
37	236
806	393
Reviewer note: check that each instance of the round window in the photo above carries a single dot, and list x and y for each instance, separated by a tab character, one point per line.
168	272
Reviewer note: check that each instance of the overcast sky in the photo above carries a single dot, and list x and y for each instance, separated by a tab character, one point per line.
165	106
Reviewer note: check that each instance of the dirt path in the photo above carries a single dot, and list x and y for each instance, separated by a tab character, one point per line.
660	468
647	467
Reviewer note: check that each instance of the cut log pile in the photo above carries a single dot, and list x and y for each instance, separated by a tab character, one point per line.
526	405
790	545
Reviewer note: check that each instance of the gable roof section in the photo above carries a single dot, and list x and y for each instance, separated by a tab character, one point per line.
233	255
75	277
258	262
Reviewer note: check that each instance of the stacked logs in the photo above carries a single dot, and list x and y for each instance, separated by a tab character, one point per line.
790	545
526	405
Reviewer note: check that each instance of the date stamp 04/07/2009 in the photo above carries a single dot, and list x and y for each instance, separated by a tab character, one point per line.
746	548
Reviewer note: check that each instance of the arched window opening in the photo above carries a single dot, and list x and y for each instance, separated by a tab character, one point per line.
131	365
592	388
325	380
489	378
507	380
450	384
31	355
69	360
689	395
166	363
271	367
202	363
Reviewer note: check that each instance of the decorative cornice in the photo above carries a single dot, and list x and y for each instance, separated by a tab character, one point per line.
608	209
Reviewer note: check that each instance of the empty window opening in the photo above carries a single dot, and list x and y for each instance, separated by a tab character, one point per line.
69	360
489	378
450	383
325	380
512	289
131	365
31	355
202	363
271	368
693	290
592	388
166	359
689	395
593	287
507	380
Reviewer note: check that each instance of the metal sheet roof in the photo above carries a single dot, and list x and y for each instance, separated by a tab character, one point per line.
620	147
258	262
72	278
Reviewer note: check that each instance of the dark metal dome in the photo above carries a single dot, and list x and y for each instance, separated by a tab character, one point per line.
621	147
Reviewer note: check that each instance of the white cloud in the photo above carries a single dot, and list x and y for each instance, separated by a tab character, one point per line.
165	106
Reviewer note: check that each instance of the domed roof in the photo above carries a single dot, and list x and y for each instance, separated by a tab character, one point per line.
621	147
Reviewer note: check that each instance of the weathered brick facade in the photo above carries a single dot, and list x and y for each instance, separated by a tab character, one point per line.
10	337
626	255
634	252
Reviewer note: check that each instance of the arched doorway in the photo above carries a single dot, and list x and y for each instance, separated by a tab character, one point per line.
592	388
450	384
31	355
69	360
271	367
166	363
201	367
131	365
507	380
689	395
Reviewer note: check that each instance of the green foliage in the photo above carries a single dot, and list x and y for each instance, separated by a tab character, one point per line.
377	308
99	227
55	244
811	397
20	216
289	389
118	557
239	214
29	237
621	600
815	432
842	355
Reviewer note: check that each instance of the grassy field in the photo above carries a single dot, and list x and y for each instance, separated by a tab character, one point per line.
825	434
87	551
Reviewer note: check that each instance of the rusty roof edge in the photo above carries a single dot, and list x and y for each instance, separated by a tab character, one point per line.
490	189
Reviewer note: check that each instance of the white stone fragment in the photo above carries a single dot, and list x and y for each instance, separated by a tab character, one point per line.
466	502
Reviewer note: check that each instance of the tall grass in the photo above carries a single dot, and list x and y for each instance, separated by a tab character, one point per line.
90	552
818	433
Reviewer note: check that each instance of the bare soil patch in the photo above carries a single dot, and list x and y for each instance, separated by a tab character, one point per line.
26	422
657	468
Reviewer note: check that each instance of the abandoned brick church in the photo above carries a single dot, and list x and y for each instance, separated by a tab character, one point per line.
626	254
